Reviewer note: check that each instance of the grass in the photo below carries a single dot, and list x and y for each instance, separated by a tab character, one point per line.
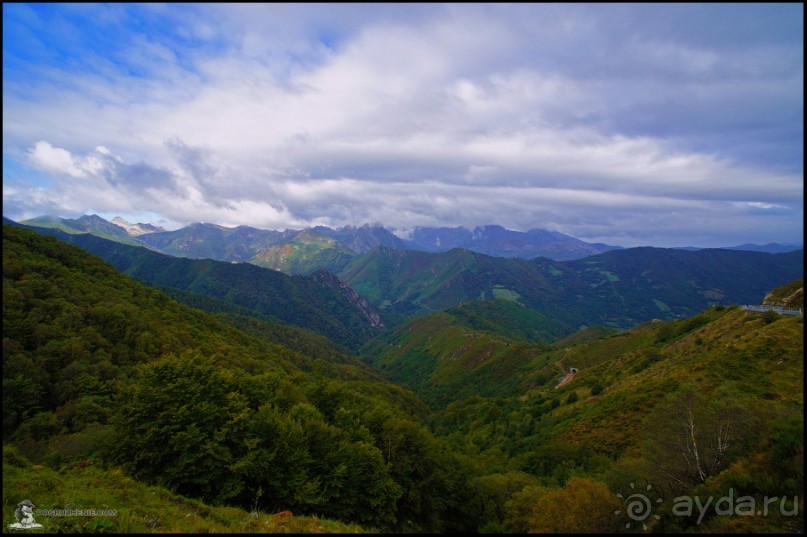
135	507
499	291
764	361
661	305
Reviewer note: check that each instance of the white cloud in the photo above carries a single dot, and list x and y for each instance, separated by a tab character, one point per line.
54	159
765	206
526	116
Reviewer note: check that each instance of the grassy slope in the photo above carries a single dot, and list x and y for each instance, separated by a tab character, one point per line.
445	363
789	296
461	351
764	361
306	253
139	508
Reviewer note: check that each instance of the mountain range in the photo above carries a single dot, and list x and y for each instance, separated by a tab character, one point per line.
619	288
320	247
385	286
316	248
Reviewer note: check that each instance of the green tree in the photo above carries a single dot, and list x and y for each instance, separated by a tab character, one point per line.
582	506
180	424
491	492
519	508
694	437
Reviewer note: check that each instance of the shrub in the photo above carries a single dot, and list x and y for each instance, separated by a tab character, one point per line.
769	316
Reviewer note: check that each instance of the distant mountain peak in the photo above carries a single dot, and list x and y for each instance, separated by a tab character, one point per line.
245	243
496	240
91	218
136	229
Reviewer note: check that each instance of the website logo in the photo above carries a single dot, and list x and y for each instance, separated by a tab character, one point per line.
24	514
638	506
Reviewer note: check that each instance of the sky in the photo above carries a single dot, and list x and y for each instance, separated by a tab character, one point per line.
628	124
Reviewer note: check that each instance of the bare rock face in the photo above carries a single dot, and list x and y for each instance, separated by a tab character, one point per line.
136	229
325	278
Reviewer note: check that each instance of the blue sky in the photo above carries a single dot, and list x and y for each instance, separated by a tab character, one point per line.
667	125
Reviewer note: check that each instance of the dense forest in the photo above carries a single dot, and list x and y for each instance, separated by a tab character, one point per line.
467	419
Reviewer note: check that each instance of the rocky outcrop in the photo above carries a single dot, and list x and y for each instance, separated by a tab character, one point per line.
136	229
788	297
325	278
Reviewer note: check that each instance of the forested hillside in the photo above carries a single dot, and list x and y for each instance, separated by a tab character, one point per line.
620	288
296	300
588	418
509	428
98	366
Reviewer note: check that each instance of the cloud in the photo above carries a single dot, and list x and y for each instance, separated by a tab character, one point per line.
103	182
55	159
568	117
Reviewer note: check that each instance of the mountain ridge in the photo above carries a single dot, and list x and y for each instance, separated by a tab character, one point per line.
266	247
136	229
297	300
303	251
618	288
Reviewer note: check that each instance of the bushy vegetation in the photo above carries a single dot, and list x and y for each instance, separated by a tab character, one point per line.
789	296
726	379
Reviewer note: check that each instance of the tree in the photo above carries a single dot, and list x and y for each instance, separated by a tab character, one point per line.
491	492
519	508
180	425
582	506
694	438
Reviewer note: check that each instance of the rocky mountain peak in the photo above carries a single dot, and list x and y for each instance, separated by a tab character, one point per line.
136	229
